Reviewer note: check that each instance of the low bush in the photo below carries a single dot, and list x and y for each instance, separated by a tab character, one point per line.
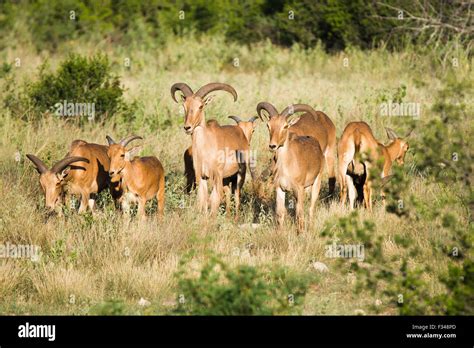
243	290
80	87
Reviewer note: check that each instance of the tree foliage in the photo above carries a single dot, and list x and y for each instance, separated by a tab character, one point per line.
335	23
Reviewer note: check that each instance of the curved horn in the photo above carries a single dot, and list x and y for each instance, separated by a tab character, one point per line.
291	109
252	119
268	108
181	86
124	142
391	133
236	119
110	140
214	86
40	167
59	166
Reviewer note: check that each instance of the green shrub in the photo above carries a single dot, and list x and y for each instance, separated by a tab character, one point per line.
110	307
449	162
78	80
242	290
415	299
459	297
6	15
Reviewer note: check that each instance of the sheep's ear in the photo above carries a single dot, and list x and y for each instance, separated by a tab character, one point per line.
208	99
236	119
110	141
391	133
253	119
61	176
292	121
183	98
132	152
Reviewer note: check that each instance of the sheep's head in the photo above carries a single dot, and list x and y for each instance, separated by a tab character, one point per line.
399	145
119	155
248	127
52	180
194	103
279	123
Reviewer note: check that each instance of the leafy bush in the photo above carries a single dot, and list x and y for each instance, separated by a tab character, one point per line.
109	307
242	290
78	80
459	298
14	97
449	162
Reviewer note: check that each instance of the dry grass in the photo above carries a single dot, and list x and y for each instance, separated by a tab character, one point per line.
87	260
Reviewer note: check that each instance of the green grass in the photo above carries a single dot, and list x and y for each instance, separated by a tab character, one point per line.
105	263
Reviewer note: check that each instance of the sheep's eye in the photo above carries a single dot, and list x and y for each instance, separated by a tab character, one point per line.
200	108
122	155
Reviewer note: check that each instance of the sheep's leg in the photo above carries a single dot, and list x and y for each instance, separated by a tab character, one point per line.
251	166
352	191
141	208
189	170
84	202
280	206
160	197
243	162
314	195
330	163
216	194
202	196
250	163
228	194
300	208
346	155
368	195
237	195
343	182
91	204
215	201
116	191
367	190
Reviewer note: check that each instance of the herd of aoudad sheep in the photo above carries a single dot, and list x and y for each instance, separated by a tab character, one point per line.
219	157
